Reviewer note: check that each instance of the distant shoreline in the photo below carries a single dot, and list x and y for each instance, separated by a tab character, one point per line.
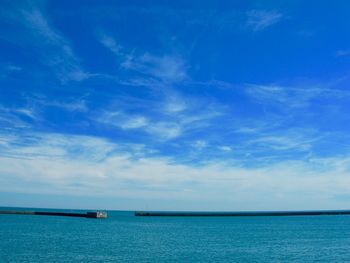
97	214
248	213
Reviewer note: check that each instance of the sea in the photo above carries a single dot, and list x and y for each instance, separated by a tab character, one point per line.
122	237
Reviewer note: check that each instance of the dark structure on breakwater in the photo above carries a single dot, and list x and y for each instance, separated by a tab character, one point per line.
98	214
250	213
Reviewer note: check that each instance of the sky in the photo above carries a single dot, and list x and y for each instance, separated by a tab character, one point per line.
175	105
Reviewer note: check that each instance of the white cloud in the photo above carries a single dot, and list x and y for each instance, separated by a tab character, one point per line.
38	23
225	148
248	129
165	130
261	19
175	104
285	142
343	53
25	116
8	69
52	48
82	165
134	122
163	68
57	53
111	44
78	105
160	124
293	96
158	130
200	144
17	117
77	74
168	116
26	112
13	68
282	144
122	120
166	68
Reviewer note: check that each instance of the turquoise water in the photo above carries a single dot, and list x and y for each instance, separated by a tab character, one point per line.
125	238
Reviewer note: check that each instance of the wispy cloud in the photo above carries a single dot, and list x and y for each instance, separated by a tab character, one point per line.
174	104
73	105
111	44
84	165
53	49
200	144
261	19
17	117
293	96
165	68
343	53
295	140
168	69
7	69
225	148
11	68
159	130
170	117
31	112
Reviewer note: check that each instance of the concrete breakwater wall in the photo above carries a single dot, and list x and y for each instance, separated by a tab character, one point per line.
250	213
98	214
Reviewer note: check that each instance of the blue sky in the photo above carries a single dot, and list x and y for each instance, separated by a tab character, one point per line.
186	105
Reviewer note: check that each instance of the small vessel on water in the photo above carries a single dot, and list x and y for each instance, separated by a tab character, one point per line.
97	214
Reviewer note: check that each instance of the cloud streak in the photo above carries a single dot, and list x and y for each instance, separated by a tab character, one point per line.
164	68
84	165
166	129
259	20
343	53
294	96
53	49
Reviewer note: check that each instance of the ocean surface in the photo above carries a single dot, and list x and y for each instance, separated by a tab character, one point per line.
125	238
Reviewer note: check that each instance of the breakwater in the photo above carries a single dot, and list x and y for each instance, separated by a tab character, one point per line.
98	214
249	213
